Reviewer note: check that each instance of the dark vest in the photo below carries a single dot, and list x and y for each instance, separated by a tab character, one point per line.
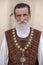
15	54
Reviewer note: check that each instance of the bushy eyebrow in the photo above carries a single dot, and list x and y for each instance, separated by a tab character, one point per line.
23	14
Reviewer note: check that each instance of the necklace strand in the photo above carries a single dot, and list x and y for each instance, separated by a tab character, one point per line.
28	43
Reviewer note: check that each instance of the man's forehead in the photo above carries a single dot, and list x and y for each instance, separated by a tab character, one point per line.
24	9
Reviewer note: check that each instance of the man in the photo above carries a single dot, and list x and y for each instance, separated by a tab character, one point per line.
22	45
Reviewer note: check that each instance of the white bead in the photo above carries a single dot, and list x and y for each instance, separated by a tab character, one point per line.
13	30
31	37
18	46
30	40
27	45
13	35
15	41
32	32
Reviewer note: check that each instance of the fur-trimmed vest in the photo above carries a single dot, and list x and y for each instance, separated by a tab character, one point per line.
31	52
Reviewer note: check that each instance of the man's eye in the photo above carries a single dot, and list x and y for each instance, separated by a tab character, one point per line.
25	15
18	15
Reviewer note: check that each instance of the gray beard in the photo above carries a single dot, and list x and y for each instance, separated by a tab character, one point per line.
22	26
23	29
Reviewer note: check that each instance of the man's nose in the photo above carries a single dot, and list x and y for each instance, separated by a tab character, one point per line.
22	18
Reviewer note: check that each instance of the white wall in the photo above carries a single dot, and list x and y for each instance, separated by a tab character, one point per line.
38	16
4	18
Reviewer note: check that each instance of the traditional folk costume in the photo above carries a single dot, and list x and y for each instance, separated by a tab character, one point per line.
23	51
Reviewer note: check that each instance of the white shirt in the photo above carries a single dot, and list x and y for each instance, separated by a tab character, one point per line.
4	51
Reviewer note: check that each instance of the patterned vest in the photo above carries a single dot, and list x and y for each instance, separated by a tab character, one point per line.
31	52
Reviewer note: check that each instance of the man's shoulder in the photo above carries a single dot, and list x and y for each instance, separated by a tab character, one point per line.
36	34
8	34
9	30
35	30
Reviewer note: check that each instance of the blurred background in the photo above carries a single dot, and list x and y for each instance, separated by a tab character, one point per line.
7	20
